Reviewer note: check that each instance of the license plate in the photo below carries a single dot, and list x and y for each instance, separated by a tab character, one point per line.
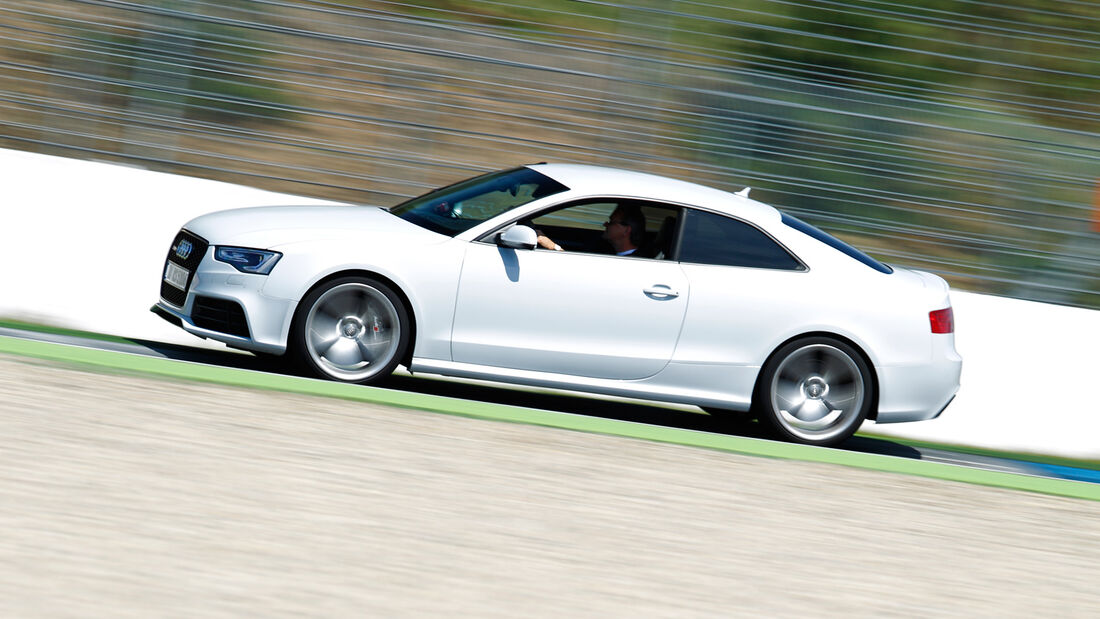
177	276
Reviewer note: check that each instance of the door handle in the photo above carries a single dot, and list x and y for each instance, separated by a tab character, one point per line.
660	290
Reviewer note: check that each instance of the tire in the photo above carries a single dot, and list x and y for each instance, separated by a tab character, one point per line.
815	391
352	329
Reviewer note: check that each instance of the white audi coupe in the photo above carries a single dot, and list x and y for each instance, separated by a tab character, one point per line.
584	278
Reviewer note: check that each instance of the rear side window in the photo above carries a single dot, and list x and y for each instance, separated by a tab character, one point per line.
710	238
835	243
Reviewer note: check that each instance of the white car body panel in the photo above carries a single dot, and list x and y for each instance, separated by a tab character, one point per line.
584	321
567	313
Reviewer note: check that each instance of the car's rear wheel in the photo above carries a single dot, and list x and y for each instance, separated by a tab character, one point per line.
352	329
815	391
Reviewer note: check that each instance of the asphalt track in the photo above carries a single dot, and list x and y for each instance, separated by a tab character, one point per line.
666	416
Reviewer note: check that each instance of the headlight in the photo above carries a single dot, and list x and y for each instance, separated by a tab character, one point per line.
248	260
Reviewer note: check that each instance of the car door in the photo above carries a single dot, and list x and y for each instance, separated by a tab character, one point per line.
566	312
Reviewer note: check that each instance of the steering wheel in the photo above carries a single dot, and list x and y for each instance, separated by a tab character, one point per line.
445	209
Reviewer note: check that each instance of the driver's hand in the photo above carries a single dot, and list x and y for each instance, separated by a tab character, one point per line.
546	243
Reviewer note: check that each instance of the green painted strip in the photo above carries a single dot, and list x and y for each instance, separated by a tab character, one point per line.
499	412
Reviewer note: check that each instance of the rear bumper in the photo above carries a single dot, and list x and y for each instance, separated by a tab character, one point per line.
920	392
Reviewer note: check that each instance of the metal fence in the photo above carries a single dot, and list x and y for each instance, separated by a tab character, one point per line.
973	155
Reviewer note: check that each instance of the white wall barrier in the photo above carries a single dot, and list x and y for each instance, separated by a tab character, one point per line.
82	244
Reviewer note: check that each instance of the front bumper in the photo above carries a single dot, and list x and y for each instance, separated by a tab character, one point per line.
228	306
179	319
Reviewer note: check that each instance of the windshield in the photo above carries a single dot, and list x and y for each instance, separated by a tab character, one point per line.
459	207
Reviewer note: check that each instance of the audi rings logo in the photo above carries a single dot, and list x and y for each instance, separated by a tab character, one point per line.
183	250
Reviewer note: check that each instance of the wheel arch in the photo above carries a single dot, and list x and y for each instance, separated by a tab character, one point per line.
872	413
405	299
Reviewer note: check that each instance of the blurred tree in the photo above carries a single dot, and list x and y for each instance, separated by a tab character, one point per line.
1002	50
200	66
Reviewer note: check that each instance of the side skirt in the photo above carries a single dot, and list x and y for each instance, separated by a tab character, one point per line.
646	389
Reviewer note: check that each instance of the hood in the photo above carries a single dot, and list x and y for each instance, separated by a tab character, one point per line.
269	226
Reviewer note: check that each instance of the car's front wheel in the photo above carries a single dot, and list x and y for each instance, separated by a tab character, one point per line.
815	391
352	329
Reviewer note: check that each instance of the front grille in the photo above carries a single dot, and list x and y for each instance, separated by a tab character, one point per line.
219	315
190	261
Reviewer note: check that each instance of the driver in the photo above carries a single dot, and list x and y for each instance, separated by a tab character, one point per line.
624	230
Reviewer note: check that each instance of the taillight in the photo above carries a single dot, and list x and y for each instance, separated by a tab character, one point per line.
943	321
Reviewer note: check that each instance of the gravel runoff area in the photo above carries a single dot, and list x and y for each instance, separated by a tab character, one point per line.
126	496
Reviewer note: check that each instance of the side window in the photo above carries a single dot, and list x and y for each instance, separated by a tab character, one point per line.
585	226
577	227
716	239
588	216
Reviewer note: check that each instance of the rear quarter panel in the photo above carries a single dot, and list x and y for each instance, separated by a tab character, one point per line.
738	316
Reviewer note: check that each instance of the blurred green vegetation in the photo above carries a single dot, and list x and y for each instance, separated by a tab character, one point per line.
223	85
948	51
196	69
911	48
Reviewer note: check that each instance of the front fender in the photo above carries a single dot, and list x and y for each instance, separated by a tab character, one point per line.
426	275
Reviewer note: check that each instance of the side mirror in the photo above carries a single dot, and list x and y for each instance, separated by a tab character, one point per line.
518	237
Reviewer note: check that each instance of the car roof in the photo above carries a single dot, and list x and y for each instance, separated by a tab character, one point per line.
598	180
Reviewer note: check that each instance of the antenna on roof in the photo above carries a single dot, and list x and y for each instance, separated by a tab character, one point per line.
744	193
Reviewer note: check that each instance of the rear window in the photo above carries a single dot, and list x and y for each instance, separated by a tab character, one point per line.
835	243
